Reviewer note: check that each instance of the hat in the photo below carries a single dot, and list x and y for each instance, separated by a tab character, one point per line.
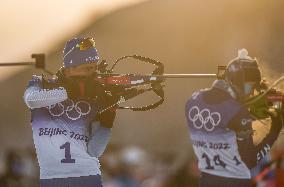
79	51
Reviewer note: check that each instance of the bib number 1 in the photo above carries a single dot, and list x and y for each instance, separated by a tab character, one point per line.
67	158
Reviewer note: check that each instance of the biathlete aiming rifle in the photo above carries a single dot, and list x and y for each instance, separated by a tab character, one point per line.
124	86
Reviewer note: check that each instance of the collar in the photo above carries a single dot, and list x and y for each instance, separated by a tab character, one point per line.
223	85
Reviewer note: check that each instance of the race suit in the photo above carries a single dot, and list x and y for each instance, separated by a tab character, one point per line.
61	133
220	130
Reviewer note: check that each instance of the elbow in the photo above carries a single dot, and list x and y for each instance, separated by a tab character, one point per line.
28	97
94	152
98	142
28	101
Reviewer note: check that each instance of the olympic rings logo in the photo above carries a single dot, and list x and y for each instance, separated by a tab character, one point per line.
73	110
204	118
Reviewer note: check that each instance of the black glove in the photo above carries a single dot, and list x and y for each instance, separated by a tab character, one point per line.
107	117
52	83
107	103
79	87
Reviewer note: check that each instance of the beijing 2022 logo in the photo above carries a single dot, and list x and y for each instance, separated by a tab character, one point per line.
72	110
204	118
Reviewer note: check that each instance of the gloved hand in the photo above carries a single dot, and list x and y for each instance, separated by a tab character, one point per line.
107	117
79	87
277	120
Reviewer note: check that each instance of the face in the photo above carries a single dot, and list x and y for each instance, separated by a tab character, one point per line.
83	70
249	88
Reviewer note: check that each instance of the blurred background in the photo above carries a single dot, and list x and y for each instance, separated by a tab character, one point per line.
149	149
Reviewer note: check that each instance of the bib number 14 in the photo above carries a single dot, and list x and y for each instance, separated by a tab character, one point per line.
217	161
67	158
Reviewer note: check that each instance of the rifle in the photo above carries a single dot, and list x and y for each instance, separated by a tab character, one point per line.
128	82
268	99
125	86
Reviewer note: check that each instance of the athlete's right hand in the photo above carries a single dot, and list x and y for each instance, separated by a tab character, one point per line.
277	120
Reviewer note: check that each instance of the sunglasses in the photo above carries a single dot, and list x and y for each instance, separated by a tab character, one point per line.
86	44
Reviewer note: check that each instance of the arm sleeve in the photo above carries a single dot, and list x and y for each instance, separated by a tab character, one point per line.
36	97
265	145
251	154
99	138
241	121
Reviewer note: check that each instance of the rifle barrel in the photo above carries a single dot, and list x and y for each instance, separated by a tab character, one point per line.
17	64
194	75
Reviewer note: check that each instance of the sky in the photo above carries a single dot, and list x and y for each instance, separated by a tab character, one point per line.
31	26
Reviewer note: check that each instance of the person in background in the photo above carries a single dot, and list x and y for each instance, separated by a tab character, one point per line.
13	176
220	126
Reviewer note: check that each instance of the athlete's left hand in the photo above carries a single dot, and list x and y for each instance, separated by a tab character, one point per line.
107	117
